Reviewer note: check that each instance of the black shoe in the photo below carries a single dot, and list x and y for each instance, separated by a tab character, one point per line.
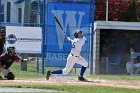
80	78
48	74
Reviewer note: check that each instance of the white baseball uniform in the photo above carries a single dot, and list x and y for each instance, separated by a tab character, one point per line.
74	56
128	67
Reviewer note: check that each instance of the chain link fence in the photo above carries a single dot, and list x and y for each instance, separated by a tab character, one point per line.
31	17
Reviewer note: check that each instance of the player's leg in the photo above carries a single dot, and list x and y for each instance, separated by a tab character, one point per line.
84	64
8	74
49	72
137	70
128	67
70	63
66	70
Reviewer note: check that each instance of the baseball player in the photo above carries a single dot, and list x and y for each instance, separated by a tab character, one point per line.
136	66
7	59
74	57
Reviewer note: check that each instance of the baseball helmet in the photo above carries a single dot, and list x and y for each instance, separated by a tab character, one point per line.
75	34
11	50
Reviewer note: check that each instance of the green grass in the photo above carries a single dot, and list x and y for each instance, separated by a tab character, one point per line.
31	73
81	89
116	77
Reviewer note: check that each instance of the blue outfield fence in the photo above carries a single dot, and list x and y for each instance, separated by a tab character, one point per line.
71	16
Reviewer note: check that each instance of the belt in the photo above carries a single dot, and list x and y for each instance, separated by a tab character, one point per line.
73	55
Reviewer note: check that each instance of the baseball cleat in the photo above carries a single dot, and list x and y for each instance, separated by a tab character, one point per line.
48	74
80	78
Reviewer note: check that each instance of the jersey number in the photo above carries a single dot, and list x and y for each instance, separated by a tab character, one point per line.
73	45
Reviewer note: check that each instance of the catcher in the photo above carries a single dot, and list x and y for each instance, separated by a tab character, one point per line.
7	59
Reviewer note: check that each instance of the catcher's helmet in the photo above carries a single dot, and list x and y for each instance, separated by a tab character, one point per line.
11	50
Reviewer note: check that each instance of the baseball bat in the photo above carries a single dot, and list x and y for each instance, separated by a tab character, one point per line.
58	23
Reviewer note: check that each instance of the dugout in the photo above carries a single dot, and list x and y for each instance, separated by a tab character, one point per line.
113	42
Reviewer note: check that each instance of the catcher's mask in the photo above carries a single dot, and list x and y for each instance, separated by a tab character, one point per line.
11	51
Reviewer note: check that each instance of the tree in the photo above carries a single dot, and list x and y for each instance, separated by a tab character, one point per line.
119	10
131	14
100	8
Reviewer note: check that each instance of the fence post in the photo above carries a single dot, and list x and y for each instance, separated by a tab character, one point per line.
43	36
92	37
37	63
132	63
24	64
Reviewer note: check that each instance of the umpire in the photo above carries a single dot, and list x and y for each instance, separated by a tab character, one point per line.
6	60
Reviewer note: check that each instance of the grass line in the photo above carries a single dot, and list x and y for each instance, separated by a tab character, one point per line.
80	89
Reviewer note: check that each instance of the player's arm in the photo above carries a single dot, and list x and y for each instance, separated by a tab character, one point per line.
20	59
81	35
85	39
68	38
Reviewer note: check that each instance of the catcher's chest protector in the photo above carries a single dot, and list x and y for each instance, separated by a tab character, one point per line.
8	60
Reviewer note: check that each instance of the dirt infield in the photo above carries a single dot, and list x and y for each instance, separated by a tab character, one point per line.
60	81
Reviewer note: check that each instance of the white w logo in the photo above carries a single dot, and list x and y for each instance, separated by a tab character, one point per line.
70	22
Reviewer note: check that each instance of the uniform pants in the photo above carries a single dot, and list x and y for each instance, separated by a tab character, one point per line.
71	60
128	68
4	71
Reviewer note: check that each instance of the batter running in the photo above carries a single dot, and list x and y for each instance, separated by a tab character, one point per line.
74	57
